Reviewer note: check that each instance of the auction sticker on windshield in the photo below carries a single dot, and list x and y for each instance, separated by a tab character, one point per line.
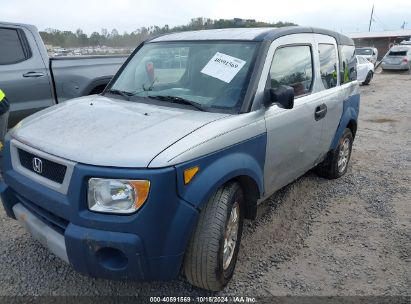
223	67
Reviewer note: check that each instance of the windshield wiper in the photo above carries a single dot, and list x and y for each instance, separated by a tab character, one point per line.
125	94
179	100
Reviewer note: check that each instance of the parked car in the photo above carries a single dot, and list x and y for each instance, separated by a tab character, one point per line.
158	173
398	58
370	53
33	81
365	70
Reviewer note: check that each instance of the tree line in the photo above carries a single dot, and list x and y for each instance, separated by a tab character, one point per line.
113	38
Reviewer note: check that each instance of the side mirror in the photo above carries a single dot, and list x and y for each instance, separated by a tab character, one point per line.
284	95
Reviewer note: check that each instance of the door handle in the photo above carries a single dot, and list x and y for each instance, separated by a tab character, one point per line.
320	112
33	74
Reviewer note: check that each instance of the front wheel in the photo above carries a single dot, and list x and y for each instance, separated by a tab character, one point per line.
212	252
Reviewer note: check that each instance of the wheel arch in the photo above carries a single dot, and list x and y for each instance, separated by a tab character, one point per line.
352	125
242	163
96	86
251	185
248	185
349	118
251	194
97	89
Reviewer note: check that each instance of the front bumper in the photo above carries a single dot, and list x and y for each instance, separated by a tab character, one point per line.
50	238
146	245
104	253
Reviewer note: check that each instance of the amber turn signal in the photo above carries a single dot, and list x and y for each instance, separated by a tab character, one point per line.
141	188
189	174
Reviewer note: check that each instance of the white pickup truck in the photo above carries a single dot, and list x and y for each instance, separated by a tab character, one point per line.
33	81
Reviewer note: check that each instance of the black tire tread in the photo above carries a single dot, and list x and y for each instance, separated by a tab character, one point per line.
200	260
368	78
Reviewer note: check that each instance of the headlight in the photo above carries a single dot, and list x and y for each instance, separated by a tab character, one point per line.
117	195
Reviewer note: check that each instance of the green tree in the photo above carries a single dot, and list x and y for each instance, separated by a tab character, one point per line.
95	39
114	39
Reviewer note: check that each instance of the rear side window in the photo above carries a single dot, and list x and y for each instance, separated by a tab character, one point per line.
348	64
292	66
12	49
399	53
328	65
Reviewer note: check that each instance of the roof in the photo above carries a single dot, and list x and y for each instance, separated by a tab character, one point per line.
29	26
218	34
384	34
250	34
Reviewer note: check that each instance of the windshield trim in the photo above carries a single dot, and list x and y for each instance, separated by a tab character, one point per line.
246	99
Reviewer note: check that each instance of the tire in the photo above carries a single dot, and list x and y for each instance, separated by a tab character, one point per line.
368	78
334	165
204	260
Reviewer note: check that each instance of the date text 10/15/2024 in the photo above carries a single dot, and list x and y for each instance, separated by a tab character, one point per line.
235	299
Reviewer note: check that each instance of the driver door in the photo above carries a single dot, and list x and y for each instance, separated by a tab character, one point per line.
294	135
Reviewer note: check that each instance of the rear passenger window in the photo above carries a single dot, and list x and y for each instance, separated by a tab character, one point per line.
348	64
398	53
328	65
292	66
11	48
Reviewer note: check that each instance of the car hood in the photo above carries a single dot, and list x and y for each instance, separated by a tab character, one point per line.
101	131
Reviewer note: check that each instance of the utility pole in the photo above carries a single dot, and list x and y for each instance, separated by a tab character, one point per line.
372	13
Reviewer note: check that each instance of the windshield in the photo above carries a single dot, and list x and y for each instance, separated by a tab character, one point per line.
363	51
207	74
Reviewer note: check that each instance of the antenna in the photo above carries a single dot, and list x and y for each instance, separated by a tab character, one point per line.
372	13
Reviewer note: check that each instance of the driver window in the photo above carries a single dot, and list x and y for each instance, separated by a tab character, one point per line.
292	66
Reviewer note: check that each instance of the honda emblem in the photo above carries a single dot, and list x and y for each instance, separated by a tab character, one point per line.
37	165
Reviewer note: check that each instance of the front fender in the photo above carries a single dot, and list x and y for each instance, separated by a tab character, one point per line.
242	159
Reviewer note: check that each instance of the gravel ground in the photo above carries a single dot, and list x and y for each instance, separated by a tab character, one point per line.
350	236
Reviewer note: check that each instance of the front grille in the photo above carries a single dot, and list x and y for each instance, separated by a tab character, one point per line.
50	170
55	222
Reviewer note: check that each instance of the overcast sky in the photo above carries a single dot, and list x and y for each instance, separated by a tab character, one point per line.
128	15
